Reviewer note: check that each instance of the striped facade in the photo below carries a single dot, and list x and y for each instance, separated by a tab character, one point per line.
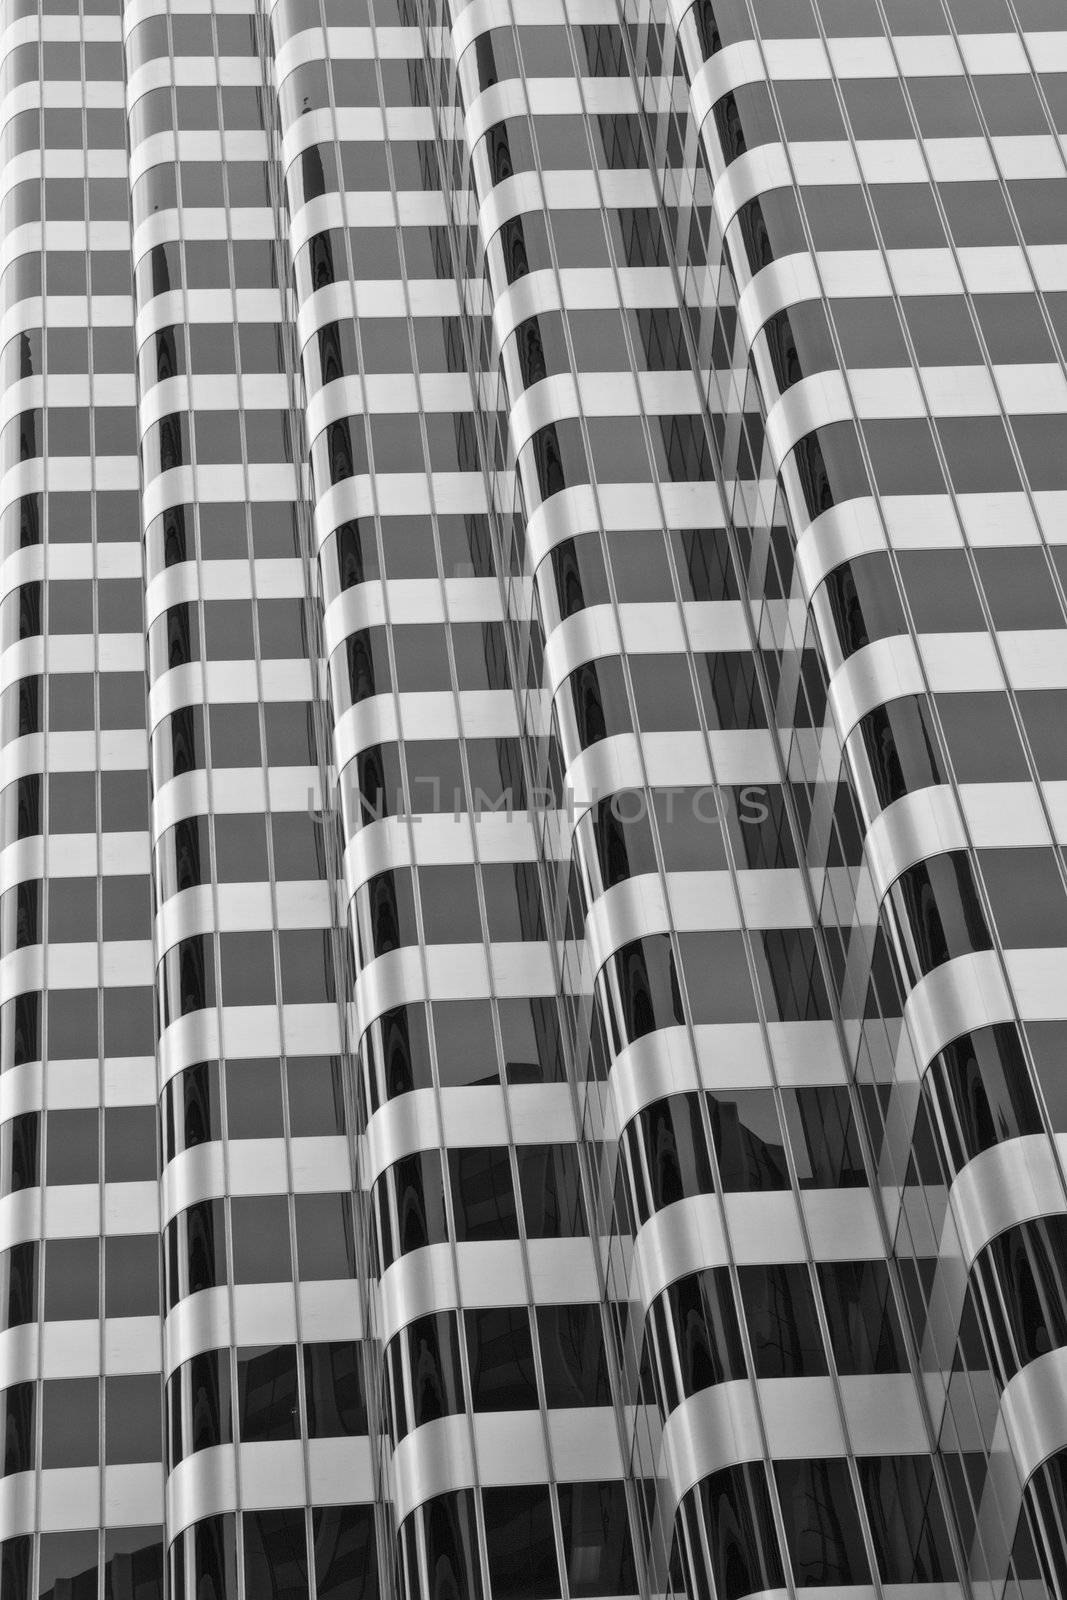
533	745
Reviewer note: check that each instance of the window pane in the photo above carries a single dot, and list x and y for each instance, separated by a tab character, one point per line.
334	1390
346	1552
501	1359
907	1521
865	1333
782	1325
822	1525
267	1397
520	1543
276	1554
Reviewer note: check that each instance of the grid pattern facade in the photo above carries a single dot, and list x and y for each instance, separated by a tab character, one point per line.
533	745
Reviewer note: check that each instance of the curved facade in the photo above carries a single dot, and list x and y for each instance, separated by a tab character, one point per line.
532	916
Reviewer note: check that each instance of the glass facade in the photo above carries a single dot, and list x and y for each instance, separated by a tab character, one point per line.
533	746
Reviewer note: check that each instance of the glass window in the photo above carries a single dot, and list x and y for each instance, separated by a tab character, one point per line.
334	1390
267	1402
483	1194
67	1561
247	962
663	693
1012	324
823	1138
748	1139
865	1333
550	1186
466	1048
876	108
827	468
667	1154
1026	896
450	1535
935	913
787	960
206	1378
940	326
345	1551
532	1042
316	1096
17	1413
324	1237
1040	442
977	213
306	960
943	106
132	1416
520	1543
980	460
240	849
71	1424
903	456
701	1336
572	577
1037	202
689	828
679	446
123	801
782	1324
1018	588
70	704
981	735
735	1510
638	989
138	1552
896	752
290	735
513	907
129	1143
260	1227
70	605
799	344
235	735
410	1204
396	1052
979	1092
554	459
822	1526
730	998
131	1275
19	1152
192	1108
908	1526
1048	1041
573	1357
195	1253
863	602
15	1565
72	1146
809	109
432	1345
500	1354
1019	1273
18	1284
276	1561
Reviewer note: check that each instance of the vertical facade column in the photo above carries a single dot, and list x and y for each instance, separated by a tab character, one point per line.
81	1494
505	1458
731	1196
268	1461
861	178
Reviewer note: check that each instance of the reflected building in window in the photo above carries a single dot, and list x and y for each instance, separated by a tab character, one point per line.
533	923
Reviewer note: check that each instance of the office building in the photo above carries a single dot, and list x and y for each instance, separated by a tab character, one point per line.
533	750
